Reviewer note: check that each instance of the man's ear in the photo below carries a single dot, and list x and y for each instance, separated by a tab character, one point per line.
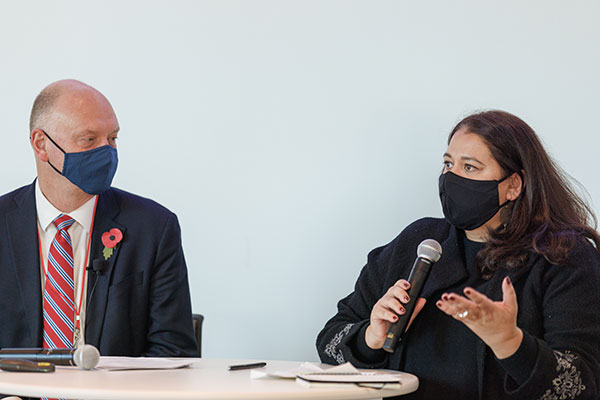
39	141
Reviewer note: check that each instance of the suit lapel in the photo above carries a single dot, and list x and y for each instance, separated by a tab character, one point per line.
24	244
104	220
449	270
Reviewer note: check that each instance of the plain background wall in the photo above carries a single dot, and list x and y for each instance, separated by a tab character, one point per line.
291	137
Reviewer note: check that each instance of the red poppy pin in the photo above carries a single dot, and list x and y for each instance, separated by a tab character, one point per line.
110	239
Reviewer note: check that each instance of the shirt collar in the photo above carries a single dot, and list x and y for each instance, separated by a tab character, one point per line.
46	212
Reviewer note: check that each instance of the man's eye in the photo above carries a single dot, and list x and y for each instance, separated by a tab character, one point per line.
447	165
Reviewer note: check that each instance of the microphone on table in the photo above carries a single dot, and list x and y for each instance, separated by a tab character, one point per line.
85	357
428	253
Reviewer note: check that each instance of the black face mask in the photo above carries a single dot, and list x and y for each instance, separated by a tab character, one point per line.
468	203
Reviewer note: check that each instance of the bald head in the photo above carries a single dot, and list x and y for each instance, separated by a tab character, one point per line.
46	104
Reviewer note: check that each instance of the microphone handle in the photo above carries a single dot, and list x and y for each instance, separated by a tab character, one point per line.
417	278
54	356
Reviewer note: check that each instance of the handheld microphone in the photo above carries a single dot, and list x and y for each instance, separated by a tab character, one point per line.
428	252
85	357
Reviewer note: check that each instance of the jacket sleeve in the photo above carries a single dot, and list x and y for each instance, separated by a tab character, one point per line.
567	365
170	332
342	338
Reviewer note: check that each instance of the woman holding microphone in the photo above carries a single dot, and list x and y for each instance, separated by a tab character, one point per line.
512	308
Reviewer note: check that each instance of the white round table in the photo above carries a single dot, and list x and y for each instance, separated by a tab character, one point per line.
205	379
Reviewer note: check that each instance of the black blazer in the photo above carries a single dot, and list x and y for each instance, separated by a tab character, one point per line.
559	313
141	303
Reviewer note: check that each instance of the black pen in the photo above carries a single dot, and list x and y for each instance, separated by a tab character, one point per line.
247	366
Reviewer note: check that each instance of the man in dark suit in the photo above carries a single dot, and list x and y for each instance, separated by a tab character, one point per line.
125	287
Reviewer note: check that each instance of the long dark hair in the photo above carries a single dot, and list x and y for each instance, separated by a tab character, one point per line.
548	217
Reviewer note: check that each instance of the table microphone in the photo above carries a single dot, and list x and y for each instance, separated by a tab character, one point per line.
428	252
85	357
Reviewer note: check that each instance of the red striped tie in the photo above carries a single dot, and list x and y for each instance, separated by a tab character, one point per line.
59	304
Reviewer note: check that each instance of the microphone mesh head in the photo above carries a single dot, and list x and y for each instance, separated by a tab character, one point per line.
430	249
86	356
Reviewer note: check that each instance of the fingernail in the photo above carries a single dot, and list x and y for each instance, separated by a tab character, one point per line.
508	280
451	298
406	299
439	304
395	318
445	297
468	291
402	311
406	285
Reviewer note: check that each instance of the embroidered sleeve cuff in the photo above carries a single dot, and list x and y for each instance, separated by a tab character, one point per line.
520	365
364	353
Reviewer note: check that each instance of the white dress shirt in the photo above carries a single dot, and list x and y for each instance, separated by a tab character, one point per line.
79	232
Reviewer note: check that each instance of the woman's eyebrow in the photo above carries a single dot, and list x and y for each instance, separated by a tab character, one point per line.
467	158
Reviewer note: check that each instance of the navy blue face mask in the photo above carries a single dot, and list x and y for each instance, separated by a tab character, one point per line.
92	171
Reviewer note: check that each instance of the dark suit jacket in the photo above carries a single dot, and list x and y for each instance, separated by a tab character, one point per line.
141	303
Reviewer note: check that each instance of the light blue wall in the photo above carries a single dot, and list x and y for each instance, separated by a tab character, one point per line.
291	137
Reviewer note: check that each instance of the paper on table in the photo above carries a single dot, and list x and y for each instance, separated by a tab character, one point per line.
345	368
306	367
347	373
110	363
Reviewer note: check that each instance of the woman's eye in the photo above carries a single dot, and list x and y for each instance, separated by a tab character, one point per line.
469	168
447	165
